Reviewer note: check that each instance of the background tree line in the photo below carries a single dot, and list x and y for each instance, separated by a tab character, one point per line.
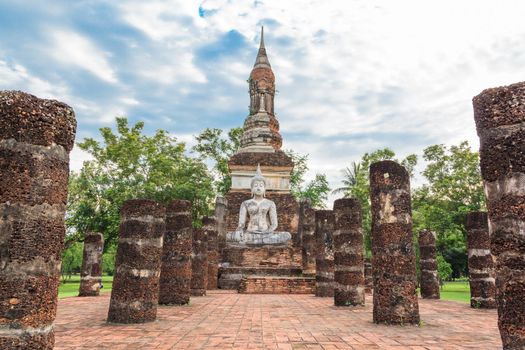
128	164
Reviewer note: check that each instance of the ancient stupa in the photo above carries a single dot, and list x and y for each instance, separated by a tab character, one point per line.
261	147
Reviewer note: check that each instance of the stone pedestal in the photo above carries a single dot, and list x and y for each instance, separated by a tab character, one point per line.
480	263
427	261
500	122
36	137
349	278
393	257
91	272
324	261
369	281
135	292
199	263
221	212
307	228
175	276
210	226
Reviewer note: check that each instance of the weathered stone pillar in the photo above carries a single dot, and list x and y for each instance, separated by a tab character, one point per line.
393	258
175	275
307	226
135	292
221	212
480	263
199	263
91	273
210	226
500	123
324	260
349	278
428	264
36	137
369	281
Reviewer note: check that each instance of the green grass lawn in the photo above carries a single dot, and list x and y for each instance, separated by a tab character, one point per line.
456	291
70	288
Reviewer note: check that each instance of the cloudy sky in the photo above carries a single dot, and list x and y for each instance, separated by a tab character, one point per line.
352	76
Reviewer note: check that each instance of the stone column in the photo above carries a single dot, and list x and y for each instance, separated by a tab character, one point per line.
349	278
36	137
175	275
199	263
91	273
135	292
428	264
210	226
393	257
369	281
500	122
324	260
307	225
480	263
221	213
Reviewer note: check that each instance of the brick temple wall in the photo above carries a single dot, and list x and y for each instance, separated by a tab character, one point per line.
263	256
277	285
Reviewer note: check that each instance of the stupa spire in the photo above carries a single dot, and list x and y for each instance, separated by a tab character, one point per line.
262	59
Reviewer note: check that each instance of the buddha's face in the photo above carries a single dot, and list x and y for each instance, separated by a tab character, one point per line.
258	188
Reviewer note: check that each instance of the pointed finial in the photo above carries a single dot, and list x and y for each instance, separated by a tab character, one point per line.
258	176
262	60
261	45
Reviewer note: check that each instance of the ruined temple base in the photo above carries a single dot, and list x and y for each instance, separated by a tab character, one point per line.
277	285
266	261
230	277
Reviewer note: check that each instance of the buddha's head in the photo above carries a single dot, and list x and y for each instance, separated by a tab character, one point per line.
258	183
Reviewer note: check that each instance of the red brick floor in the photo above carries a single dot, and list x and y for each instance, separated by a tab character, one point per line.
227	320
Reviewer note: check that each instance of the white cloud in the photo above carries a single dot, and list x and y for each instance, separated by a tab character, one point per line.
17	77
76	50
77	157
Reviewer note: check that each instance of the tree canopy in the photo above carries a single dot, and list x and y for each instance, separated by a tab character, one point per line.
128	164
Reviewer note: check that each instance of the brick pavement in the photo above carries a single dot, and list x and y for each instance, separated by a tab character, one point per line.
227	320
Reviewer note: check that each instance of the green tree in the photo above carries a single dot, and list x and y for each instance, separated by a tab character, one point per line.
127	165
356	183
213	145
71	260
444	269
454	188
315	190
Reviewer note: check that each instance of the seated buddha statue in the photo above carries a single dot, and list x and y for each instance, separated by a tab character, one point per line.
261	215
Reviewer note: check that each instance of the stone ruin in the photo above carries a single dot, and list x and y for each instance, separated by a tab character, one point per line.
199	263
428	264
480	263
91	272
307	233
260	267
324	260
349	278
135	292
35	140
175	275
369	281
210	226
221	211
393	256
499	114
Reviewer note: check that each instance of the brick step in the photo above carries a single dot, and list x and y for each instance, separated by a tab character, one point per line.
276	285
230	277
